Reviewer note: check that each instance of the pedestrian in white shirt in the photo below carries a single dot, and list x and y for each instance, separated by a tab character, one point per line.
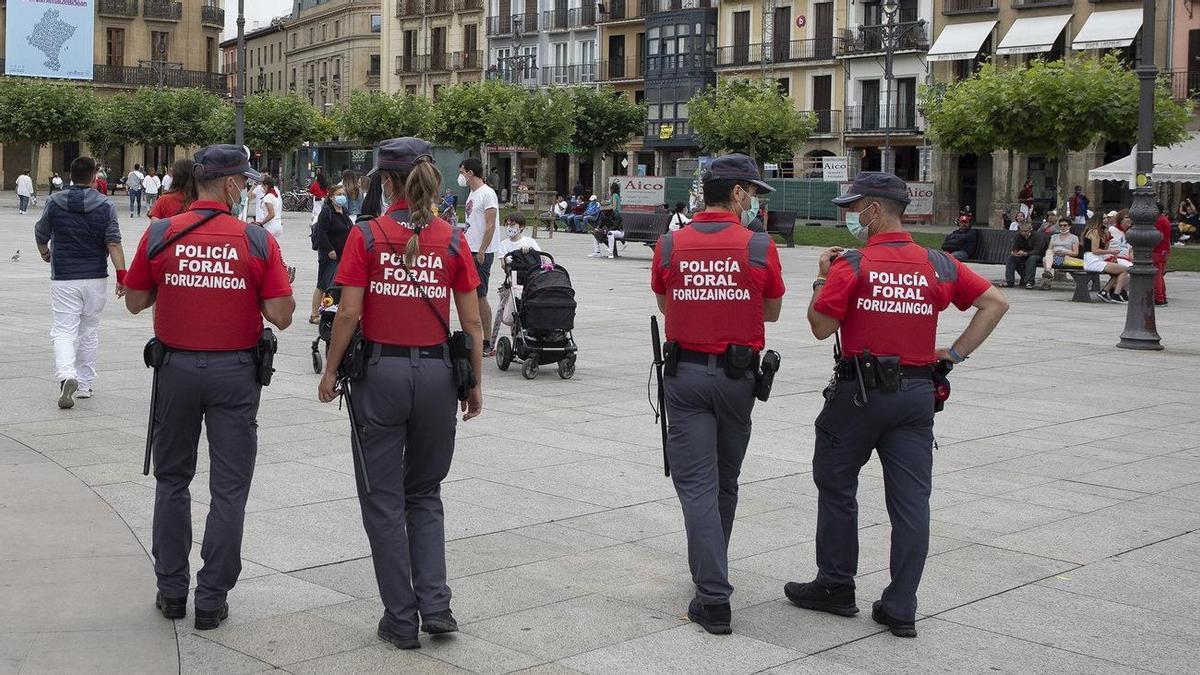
514	240
482	214
133	184
24	191
269	214
150	187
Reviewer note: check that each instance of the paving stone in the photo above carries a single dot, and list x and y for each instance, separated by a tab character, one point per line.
1152	475
686	649
1127	581
292	638
198	654
378	658
274	595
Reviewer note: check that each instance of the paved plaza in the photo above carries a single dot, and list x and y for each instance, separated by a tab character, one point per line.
1066	505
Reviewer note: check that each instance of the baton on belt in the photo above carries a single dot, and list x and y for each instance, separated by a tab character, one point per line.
661	413
360	462
150	424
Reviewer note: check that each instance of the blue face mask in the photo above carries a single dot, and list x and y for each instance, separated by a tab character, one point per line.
341	201
751	213
855	227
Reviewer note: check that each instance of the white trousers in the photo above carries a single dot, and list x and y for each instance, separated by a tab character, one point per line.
76	305
317	204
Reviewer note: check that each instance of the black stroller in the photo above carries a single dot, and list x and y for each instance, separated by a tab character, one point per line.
329	307
543	316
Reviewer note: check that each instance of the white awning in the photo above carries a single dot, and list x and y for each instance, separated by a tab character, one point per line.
1032	35
1179	163
1104	30
960	41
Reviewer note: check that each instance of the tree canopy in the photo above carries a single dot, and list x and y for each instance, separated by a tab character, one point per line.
461	113
372	116
170	116
605	120
41	112
751	117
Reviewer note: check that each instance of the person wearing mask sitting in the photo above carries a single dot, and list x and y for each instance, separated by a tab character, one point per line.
1028	248
961	243
1063	249
581	222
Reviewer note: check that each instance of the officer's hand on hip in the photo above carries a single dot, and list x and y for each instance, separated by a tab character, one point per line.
327	390
479	257
473	405
827	258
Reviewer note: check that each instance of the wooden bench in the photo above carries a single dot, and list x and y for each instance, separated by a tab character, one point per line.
783	224
644	227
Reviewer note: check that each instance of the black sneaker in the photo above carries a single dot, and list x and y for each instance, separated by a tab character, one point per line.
397	640
837	600
1119	298
438	623
1103	295
1160	303
713	618
208	619
171	608
1029	285
904	629
1124	296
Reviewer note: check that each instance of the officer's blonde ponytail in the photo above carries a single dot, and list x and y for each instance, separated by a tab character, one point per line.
420	189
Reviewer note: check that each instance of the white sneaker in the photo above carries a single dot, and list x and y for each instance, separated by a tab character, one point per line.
595	254
83	393
609	256
66	396
1184	237
1179	244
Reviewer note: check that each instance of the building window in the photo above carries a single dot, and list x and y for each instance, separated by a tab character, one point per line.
785	86
337	29
374	67
376	24
210	54
312	35
114	53
324	32
410	90
293	40
160	44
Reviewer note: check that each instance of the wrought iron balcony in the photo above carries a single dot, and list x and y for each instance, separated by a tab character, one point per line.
212	15
122	9
622	69
162	10
746	55
136	76
470	5
871	39
582	17
899	118
499	25
413	64
1185	84
658	6
468	60
408	8
555	20
829	122
433	7
953	7
564	75
622	10
1033	4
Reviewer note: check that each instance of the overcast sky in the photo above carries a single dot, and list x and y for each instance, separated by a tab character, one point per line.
257	12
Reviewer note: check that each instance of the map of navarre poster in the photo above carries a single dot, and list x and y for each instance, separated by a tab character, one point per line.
49	38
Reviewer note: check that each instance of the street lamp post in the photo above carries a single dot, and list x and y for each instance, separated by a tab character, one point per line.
1141	331
517	62
239	90
891	34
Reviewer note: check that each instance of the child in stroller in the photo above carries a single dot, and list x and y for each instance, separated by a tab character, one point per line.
327	312
538	303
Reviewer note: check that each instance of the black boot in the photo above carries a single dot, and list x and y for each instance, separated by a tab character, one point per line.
904	629
208	619
398	640
837	600
713	618
439	622
171	608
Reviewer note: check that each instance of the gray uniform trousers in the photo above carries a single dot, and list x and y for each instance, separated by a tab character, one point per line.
900	427
709	416
405	408
221	389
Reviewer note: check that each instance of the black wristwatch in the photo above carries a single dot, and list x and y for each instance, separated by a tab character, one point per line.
818	283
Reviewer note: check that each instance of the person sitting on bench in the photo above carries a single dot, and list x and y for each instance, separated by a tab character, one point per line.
1062	249
580	223
1025	256
961	243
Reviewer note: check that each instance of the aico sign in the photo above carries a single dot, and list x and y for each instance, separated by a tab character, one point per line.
641	193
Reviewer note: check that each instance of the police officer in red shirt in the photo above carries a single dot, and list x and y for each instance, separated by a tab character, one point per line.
211	279
885	298
716	283
398	273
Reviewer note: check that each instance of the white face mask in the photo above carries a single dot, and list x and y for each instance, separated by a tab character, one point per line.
513	232
462	180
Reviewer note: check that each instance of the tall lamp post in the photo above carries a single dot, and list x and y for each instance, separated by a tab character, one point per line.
239	90
891	34
1141	331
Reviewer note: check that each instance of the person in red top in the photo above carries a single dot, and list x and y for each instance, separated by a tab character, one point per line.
398	273
319	189
716	283
1162	251
176	200
211	279
885	298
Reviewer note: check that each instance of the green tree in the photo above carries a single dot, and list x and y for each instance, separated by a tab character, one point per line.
605	120
171	117
751	117
462	112
279	122
109	125
540	119
372	116
41	113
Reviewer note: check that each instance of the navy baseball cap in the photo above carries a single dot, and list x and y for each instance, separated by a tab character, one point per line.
224	159
874	184
401	154
735	166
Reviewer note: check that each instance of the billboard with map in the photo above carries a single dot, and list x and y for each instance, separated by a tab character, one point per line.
49	38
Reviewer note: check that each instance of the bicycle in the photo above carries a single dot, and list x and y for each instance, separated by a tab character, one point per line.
297	200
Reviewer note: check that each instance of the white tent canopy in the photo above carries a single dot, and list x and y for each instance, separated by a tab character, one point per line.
1032	35
1179	163
1104	30
960	41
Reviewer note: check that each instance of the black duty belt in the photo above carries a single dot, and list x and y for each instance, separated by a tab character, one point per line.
689	356
434	352
845	371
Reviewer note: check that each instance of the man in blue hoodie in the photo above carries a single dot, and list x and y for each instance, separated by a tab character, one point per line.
82	226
